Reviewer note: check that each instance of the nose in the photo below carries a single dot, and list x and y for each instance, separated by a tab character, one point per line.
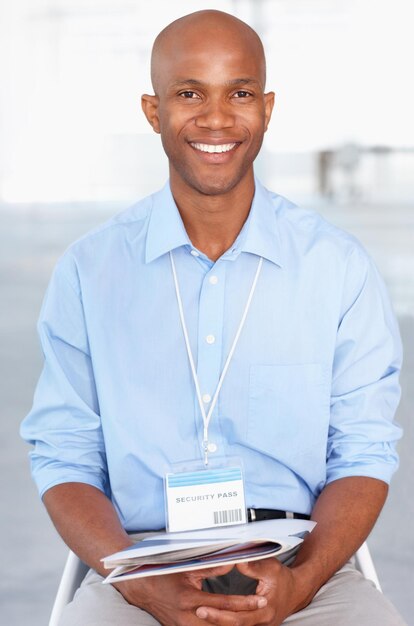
215	115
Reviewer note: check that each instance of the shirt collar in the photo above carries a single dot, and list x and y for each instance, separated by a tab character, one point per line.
165	229
259	234
261	228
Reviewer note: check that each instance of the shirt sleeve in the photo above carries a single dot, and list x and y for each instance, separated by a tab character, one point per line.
64	425
365	390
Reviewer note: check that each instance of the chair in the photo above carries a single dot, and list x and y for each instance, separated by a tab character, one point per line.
75	571
73	574
365	564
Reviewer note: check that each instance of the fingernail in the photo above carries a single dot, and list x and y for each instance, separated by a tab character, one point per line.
202	613
261	603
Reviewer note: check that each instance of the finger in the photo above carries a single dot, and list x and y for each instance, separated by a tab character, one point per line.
233	603
229	618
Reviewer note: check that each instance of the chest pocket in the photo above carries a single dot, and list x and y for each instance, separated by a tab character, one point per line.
288	415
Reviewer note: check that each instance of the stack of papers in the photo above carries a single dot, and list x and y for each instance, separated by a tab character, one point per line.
168	553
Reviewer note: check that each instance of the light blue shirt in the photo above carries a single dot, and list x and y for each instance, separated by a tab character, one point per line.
310	393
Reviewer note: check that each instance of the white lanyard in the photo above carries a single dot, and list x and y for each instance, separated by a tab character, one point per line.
207	417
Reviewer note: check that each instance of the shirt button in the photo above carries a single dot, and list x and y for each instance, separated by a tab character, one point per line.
195	253
206	398
210	339
213	280
212	447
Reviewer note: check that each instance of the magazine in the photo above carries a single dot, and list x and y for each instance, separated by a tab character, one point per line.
168	553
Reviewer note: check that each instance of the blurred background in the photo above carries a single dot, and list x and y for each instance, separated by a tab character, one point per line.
75	149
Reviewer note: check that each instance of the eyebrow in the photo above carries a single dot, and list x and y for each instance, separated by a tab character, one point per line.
229	83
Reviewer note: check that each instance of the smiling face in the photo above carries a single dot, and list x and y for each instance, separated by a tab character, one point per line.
210	108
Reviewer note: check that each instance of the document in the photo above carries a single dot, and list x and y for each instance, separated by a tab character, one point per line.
168	553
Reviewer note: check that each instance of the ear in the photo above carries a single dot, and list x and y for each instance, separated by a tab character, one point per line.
149	105
269	102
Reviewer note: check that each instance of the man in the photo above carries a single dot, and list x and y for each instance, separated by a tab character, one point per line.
311	386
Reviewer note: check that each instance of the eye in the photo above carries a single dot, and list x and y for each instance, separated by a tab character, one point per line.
188	95
242	94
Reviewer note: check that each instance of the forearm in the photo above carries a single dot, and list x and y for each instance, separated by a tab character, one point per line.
345	513
87	521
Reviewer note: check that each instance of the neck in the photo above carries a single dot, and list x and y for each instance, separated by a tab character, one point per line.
213	222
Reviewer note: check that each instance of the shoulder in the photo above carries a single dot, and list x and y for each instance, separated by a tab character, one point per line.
126	225
304	232
108	242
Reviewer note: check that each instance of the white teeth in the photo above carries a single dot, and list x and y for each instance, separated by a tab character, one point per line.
208	147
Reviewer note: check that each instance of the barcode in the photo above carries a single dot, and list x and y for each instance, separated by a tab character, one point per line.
227	517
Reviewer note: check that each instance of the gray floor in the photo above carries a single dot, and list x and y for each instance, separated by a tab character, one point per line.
30	241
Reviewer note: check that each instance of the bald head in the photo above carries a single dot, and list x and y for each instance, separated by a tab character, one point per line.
207	29
210	107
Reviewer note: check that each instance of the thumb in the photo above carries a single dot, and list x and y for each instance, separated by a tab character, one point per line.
220	570
248	568
198	575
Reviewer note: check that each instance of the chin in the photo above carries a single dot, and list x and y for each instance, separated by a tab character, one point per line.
214	185
214	189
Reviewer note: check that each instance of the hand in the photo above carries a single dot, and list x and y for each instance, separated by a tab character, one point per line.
173	599
277	583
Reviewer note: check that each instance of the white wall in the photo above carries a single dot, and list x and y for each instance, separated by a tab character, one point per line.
72	71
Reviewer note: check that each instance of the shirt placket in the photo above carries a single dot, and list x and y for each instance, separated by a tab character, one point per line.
210	357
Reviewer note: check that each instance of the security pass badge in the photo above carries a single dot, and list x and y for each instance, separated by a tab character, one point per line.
204	499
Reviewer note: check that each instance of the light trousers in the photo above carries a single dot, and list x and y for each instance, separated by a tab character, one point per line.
347	599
